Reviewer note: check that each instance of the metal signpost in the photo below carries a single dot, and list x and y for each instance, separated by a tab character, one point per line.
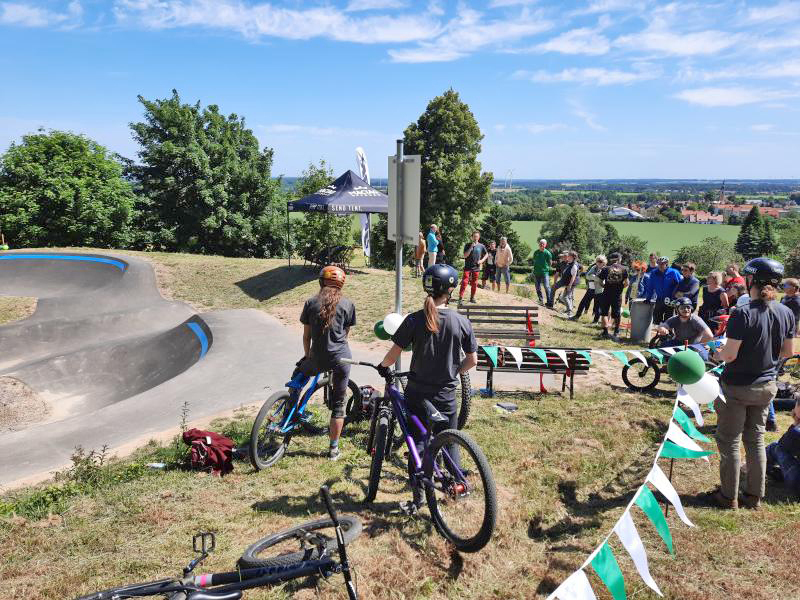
404	192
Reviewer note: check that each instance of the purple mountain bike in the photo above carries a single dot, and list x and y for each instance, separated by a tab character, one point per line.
452	470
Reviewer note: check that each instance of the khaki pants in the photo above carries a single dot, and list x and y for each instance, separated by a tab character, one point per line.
743	417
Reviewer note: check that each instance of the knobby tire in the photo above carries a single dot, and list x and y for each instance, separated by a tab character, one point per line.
258	458
378	453
636	363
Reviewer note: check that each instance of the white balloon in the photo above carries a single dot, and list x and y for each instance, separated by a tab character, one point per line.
704	391
391	322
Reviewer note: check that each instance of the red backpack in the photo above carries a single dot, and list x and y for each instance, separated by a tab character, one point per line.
209	451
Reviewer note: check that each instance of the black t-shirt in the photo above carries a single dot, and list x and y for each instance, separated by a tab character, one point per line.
474	257
793	304
614	278
436	356
762	328
328	344
568	271
712	302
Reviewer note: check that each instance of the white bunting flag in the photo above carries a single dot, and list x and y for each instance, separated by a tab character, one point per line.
575	587
626	531
658	479
639	355
685	399
561	354
516	353
601	353
669	350
676	434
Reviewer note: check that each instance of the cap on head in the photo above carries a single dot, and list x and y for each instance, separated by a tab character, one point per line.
331	276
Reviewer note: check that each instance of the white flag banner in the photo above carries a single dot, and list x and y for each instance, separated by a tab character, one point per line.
365	233
669	350
658	479
685	399
516	353
626	531
601	353
560	354
363	170
676	434
575	587
639	355
363	167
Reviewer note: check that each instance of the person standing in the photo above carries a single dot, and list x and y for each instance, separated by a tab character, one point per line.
615	279
475	255
489	269
758	336
715	300
440	251
791	299
652	264
689	286
503	261
542	265
569	277
660	285
433	244
732	277
636	281
419	255
591	285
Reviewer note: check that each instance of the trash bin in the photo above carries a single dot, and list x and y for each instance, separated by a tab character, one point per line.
641	321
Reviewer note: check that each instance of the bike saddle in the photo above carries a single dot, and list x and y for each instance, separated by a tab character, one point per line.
433	413
211	595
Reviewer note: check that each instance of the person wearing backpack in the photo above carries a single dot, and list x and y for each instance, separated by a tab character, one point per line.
569	278
327	319
615	279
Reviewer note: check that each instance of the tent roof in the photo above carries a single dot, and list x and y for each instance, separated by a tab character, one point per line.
348	194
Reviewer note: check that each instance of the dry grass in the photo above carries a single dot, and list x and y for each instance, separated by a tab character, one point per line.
15	308
564	471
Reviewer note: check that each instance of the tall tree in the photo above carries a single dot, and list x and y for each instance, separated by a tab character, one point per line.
63	189
769	245
597	231
575	233
748	242
207	186
497	224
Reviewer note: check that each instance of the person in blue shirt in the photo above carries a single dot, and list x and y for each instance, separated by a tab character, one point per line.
783	456
433	245
689	286
661	285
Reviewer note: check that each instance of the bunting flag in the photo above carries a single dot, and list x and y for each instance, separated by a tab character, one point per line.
491	352
672	450
561	354
586	354
676	435
575	587
686	423
662	484
657	355
621	357
627	534
541	354
601	353
607	568
516	353
648	503
669	350
639	355
685	399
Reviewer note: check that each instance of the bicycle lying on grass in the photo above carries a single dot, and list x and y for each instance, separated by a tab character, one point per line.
287	411
288	561
453	472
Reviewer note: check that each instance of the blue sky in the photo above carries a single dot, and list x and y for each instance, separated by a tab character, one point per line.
566	90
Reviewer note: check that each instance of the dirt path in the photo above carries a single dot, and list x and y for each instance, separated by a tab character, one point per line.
20	406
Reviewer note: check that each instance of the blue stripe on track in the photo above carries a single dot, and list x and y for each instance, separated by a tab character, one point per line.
108	261
201	335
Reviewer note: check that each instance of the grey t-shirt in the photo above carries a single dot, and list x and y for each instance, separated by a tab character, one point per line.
476	253
690	331
328	344
762	328
436	356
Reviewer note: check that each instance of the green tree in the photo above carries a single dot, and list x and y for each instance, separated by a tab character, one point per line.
497	224
553	230
769	245
63	189
630	247
748	242
711	254
575	232
793	262
316	231
206	185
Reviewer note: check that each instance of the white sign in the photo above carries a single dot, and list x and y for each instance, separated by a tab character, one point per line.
412	177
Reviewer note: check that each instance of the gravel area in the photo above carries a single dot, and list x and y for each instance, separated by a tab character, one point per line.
20	407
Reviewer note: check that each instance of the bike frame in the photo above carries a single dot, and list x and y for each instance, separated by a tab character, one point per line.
298	382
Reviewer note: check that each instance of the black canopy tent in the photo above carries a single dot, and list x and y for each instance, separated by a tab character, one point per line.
347	195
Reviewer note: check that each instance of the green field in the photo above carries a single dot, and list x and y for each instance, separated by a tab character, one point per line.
665	238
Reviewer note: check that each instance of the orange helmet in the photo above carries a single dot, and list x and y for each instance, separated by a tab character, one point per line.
331	275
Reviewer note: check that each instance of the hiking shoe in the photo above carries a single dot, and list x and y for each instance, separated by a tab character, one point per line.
615	337
751	502
771	425
473	301
720	501
334	453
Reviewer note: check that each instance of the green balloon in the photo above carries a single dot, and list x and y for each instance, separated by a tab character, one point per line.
626	313
4	247
686	367
380	332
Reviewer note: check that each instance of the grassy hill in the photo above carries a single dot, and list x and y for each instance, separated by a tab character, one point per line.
564	469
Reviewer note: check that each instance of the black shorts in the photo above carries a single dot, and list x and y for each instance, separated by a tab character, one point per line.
610	303
489	271
340	377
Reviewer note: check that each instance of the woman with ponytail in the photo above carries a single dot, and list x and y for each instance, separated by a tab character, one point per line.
327	319
759	334
443	346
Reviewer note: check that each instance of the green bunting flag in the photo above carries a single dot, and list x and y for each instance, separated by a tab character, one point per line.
605	565
686	424
621	357
648	503
491	352
541	354
657	355
671	450
586	354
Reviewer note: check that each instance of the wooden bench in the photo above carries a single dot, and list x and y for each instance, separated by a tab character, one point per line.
495	323
576	361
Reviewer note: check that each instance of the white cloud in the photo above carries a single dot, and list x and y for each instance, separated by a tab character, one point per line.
584	40
589	76
359	5
762	127
582	113
268	20
602	6
315	131
661	40
541	127
504	3
777	70
26	15
766	44
732	96
467	32
783	11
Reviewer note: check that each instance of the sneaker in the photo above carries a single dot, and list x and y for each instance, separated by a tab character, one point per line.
751	502
334	453
615	338
473	301
721	501
771	425
574	318
604	334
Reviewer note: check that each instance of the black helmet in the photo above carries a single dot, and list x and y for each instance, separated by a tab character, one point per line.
438	279
764	270
682	301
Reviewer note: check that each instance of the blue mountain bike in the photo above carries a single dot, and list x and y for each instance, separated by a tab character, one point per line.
290	410
452	471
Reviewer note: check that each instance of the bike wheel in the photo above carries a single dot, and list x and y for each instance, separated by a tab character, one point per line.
639	376
464	391
378	453
267	442
463	500
298	543
353	411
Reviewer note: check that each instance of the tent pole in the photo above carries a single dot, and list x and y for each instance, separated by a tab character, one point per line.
288	246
